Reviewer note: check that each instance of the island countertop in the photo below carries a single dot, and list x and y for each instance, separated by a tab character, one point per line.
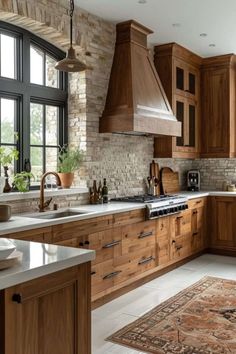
39	259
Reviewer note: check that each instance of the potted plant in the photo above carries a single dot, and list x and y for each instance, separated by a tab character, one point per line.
21	181
69	161
7	156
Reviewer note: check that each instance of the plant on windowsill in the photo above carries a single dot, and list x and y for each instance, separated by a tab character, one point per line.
69	160
7	156
21	181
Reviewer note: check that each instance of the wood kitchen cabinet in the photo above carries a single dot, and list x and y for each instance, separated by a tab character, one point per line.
38	235
48	315
128	247
223	224
198	208
218	116
179	71
180	228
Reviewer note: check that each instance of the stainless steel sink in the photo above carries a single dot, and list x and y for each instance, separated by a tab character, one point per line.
57	215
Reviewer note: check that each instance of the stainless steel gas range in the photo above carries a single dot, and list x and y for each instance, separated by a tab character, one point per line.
158	206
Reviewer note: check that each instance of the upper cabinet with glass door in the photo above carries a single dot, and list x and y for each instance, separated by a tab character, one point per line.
179	71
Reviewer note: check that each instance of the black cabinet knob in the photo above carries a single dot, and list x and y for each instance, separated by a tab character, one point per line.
17	298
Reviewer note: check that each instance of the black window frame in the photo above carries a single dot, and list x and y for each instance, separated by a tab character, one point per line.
26	92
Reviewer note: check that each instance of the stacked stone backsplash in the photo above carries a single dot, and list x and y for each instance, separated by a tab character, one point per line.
215	171
31	205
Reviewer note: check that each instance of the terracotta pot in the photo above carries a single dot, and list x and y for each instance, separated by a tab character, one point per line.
66	179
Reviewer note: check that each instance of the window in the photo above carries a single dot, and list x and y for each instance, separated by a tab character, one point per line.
33	98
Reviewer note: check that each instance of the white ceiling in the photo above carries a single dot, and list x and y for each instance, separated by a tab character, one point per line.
217	18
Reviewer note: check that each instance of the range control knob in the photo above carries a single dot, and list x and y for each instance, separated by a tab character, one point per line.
161	212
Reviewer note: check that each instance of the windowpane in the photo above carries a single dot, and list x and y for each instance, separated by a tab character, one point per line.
51	159
36	124
8	53
8	121
51	72
36	65
11	167
36	157
52	118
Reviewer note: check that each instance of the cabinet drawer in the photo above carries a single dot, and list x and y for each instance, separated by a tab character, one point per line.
129	217
196	203
138	237
80	228
163	226
181	224
163	249
197	241
107	244
102	276
181	247
134	264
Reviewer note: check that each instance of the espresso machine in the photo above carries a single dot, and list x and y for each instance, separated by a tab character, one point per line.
193	180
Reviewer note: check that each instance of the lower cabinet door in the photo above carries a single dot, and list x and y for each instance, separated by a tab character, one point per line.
43	316
181	247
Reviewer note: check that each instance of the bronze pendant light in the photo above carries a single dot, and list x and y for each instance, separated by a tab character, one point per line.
70	63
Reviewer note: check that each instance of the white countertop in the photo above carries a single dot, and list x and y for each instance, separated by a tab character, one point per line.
23	222
41	259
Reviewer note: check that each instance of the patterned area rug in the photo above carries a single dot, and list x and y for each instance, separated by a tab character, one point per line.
199	319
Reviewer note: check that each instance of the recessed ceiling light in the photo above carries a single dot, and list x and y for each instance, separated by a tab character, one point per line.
176	24
212	45
142	1
203	34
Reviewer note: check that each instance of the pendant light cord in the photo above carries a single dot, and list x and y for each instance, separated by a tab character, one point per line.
72	6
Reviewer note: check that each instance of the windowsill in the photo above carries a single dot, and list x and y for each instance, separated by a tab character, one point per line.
7	197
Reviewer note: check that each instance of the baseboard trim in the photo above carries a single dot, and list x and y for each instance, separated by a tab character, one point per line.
222	252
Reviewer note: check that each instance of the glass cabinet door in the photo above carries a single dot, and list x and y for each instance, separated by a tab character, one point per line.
185	78
185	111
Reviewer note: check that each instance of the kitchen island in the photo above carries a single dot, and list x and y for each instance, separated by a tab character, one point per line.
45	301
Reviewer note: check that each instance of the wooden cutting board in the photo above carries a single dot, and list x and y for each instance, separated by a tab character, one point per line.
169	181
155	172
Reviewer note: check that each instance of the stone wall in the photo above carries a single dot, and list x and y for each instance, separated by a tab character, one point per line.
123	160
215	171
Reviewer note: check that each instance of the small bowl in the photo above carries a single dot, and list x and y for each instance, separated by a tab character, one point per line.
5	212
6	248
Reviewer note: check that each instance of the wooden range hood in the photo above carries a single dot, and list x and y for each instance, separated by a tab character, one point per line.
136	102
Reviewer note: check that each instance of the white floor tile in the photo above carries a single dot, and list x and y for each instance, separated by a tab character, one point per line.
116	314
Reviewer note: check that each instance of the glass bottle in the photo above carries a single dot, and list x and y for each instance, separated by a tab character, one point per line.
105	191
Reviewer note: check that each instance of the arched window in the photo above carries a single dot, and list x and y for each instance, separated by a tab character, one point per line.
33	99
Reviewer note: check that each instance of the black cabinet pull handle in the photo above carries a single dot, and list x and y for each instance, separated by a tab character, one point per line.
179	247
173	241
17	298
198	202
195	233
146	260
111	244
81	244
179	217
93	272
112	274
195	212
145	234
86	242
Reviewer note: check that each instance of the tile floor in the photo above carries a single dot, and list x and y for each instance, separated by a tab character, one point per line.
125	309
